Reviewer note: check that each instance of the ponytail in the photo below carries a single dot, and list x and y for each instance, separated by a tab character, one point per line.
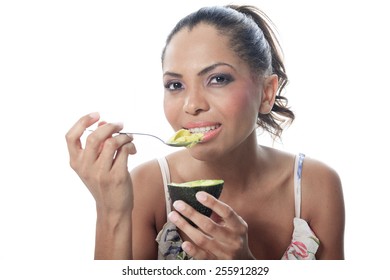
280	113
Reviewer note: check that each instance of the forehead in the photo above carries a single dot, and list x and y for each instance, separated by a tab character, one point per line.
200	46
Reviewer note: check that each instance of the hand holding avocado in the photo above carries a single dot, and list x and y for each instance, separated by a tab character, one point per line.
223	236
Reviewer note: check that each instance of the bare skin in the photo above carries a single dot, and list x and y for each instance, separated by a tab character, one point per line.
207	84
256	205
107	178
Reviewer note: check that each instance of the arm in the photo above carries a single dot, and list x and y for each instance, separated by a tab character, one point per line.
149	213
102	166
323	208
113	237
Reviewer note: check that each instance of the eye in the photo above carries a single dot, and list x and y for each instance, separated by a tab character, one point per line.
221	79
173	86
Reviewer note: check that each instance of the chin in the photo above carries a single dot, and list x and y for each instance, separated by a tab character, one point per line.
203	154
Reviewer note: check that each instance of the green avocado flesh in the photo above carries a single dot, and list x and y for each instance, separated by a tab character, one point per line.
199	183
185	138
187	191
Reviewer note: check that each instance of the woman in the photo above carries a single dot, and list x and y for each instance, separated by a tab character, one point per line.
223	75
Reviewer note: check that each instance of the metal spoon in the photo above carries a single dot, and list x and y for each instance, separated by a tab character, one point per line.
172	144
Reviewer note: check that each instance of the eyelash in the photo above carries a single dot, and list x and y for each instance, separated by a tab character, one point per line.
226	80
169	84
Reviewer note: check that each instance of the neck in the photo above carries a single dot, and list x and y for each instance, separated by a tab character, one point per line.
240	166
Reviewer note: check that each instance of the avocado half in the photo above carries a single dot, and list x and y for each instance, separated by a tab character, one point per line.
187	191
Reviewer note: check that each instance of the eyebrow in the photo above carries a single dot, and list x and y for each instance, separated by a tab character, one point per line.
203	71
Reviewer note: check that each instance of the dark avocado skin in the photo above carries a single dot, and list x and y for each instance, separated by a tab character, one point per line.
187	194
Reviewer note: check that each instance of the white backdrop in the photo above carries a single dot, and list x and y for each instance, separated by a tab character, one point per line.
60	60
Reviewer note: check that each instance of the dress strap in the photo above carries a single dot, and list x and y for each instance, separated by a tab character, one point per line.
297	183
166	179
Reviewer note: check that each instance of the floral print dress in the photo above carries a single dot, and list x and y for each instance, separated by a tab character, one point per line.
303	246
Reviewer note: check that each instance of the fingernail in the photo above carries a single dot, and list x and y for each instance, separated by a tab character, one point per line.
201	196
94	115
179	206
120	124
173	217
186	247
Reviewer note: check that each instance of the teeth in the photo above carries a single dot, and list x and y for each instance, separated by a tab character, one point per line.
202	129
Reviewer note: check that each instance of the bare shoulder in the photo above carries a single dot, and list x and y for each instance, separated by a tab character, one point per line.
147	173
321	185
323	207
148	188
148	176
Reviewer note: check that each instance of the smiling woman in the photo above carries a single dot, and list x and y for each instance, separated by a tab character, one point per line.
223	77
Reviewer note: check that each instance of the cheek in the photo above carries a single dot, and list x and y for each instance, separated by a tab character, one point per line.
242	107
171	110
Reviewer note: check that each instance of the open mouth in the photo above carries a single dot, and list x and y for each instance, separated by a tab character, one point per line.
204	129
209	132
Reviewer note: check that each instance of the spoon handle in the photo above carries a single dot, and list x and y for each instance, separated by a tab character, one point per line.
184	144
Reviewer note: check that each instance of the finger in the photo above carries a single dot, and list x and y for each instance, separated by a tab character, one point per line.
212	239
74	134
196	252
207	230
224	211
123	153
204	223
115	151
202	246
209	227
102	123
97	138
199	238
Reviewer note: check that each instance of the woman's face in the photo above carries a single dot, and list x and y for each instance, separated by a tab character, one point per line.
209	89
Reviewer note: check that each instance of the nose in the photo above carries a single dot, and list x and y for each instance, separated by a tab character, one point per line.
195	102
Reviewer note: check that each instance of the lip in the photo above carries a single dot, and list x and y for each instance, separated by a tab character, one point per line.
200	124
208	136
211	135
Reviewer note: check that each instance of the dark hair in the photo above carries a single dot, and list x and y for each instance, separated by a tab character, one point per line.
253	40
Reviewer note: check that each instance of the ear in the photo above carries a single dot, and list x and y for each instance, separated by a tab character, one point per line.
270	87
